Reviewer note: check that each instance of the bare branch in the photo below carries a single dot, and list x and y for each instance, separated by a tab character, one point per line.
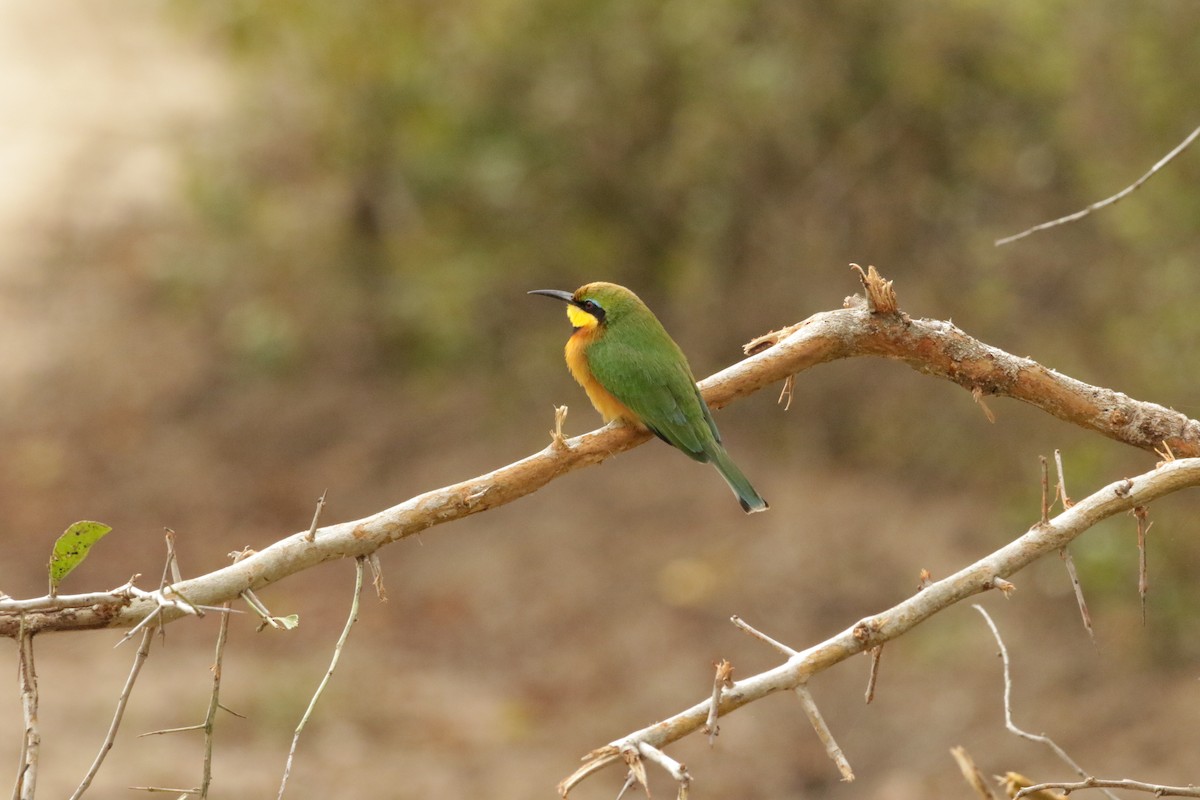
337	654
118	714
1142	514
1124	783
929	346
887	625
27	767
214	702
1008	722
312	529
722	679
1073	576
823	733
762	637
876	654
1191	137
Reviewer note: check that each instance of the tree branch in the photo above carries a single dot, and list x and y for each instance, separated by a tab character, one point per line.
873	631
1108	201
931	347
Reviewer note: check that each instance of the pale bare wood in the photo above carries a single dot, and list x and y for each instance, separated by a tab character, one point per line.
932	347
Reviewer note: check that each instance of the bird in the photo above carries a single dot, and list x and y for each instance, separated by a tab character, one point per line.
632	370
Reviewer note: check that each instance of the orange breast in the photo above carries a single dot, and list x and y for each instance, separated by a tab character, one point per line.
610	407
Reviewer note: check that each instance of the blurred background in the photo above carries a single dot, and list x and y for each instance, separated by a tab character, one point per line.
251	251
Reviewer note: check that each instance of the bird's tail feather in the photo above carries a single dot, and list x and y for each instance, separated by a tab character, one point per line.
750	499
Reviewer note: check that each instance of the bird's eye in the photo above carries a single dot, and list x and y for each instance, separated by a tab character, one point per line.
589	306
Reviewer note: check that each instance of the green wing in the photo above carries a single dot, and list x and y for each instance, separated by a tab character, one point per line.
656	383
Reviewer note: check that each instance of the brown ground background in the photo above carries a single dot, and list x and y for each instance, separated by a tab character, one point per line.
516	641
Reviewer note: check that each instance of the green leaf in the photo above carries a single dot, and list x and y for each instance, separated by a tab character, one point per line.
72	548
289	622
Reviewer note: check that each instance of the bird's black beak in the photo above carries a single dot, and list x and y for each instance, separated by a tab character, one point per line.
566	297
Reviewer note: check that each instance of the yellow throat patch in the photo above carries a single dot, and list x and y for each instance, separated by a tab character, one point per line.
580	318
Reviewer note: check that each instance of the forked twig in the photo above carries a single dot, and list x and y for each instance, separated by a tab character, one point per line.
1008	721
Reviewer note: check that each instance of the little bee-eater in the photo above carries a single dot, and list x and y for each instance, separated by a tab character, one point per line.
632	370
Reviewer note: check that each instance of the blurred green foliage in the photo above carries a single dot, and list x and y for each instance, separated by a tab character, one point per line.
401	171
399	174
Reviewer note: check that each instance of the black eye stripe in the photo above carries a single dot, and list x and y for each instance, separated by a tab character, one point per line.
593	308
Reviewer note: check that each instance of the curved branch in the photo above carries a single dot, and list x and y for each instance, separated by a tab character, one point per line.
929	346
873	631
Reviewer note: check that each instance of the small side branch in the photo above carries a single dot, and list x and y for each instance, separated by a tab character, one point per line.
27	768
799	667
1142	514
876	654
932	347
139	659
723	679
823	732
337	654
214	702
312	529
1156	789
1128	190
1008	720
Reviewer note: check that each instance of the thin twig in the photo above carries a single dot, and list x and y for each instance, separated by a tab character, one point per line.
1124	783
265	616
139	659
210	716
722	679
823	732
1065	555
1060	493
1008	721
557	440
876	654
312	529
1067	502
376	566
1006	587
1045	490
786	393
31	742
637	768
165	789
674	768
1191	137
935	348
1038	541
337	654
762	637
630	781
1141	514
971	773
1013	782
172	565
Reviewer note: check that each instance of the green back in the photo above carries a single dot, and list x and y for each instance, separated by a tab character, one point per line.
638	362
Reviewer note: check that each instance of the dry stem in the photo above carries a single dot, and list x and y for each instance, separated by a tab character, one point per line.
1038	541
929	346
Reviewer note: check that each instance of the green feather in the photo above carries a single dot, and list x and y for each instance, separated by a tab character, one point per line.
640	364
